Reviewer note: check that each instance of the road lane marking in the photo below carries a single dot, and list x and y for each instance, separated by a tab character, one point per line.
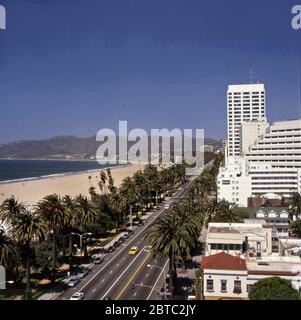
146	275
147	224
135	294
158	280
124	271
103	280
132	277
94	290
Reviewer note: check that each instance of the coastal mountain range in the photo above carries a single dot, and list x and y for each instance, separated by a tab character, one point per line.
61	147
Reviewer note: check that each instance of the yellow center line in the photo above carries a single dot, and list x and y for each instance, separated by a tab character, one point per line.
132	277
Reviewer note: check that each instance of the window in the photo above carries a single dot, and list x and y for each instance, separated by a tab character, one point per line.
210	285
249	288
237	287
224	286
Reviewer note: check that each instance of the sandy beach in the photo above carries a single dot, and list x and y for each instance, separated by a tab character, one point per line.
30	192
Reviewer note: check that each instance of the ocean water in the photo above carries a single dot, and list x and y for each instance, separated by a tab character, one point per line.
11	170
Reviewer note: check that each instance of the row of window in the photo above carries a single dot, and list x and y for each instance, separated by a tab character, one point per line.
226	247
224	286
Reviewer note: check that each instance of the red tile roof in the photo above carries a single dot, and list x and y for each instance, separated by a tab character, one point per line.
223	261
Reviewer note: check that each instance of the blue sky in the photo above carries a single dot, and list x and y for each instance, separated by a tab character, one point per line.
76	66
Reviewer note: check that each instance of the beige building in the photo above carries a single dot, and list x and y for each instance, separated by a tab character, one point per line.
236	239
250	132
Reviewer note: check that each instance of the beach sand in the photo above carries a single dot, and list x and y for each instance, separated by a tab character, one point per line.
30	192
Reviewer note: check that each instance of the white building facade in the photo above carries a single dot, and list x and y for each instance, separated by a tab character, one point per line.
245	103
271	166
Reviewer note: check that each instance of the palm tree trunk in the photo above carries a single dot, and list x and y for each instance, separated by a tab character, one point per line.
53	259
116	226
70	253
170	278
28	287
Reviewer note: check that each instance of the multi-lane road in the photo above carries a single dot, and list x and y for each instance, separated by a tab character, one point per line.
114	278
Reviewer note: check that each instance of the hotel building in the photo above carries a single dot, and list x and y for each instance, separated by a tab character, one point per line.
245	103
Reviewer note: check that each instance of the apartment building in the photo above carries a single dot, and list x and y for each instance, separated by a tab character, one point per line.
233	182
275	160
271	166
245	103
250	132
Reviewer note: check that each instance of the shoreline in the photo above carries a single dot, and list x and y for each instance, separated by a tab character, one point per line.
57	175
31	191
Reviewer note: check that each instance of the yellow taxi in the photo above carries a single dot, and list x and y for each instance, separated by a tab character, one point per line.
133	251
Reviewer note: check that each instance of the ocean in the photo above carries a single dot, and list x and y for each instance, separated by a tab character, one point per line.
16	170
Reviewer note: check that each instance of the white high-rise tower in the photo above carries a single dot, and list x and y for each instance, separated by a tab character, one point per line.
245	102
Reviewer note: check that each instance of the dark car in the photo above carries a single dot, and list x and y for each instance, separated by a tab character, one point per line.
116	244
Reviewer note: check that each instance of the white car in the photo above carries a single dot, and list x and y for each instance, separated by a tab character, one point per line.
77	296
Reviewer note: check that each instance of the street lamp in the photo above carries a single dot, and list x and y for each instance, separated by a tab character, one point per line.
164	273
81	240
131	214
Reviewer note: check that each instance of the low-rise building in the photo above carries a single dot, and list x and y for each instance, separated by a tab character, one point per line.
277	218
239	238
227	277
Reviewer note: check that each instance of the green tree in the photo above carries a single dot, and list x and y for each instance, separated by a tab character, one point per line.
52	211
295	228
8	250
10	210
228	213
42	257
274	288
29	227
163	237
296	202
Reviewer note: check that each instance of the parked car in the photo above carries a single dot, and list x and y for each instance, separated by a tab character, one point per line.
97	259
120	241
141	223
111	249
126	235
77	296
117	244
82	273
73	281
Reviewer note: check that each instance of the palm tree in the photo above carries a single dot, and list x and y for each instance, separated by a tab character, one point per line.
296	202
226	212
86	213
70	207
118	207
163	236
189	221
29	227
52	211
8	250
129	191
10	210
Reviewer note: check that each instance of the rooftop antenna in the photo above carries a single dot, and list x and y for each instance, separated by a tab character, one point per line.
251	73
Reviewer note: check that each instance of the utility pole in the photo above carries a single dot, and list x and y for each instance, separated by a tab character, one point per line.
131	216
